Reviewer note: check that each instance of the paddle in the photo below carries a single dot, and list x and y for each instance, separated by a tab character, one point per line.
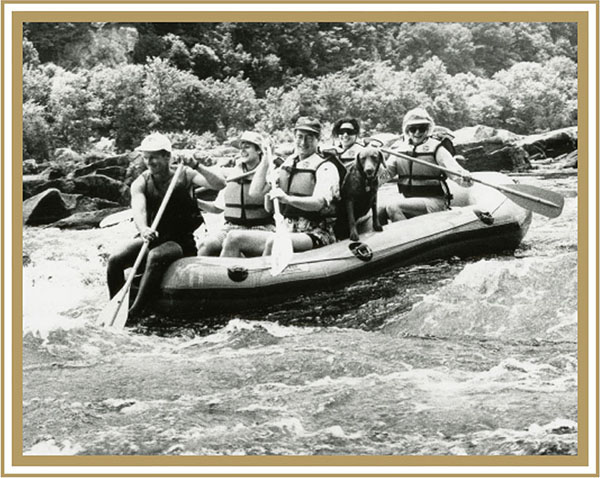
283	249
241	176
116	218
115	314
541	201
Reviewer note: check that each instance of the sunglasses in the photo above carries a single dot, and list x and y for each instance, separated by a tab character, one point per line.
421	128
348	131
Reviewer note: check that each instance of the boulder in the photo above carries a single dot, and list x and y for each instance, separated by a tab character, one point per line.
550	144
44	208
33	184
121	161
493	157
30	166
480	133
100	186
93	185
80	203
85	220
115	172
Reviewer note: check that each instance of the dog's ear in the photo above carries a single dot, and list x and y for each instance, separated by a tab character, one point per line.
380	157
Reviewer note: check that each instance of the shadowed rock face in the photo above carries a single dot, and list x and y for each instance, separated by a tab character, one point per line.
44	208
489	149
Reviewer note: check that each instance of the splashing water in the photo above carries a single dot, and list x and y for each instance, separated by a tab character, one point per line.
453	357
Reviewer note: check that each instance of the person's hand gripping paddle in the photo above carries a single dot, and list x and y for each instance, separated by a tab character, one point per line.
283	249
116	312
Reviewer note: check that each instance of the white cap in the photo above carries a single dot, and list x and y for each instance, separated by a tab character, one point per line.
155	142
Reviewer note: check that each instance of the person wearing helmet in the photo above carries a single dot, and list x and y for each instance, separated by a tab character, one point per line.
422	189
243	211
173	238
307	190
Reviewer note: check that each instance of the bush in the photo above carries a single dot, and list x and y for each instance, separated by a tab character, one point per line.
72	109
124	111
37	137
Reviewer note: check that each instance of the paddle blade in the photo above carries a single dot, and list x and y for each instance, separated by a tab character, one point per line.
541	201
116	218
115	313
282	252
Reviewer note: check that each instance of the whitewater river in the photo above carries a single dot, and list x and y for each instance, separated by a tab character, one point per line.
455	357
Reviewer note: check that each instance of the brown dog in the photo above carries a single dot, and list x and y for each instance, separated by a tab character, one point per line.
359	192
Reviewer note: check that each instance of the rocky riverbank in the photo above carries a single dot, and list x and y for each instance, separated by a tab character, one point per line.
77	192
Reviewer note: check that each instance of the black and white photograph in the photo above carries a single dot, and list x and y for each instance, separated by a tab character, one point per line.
354	239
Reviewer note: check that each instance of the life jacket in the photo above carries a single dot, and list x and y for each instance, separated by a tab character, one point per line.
241	208
181	216
349	155
298	178
416	180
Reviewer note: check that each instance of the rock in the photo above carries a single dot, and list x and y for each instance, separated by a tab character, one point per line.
100	186
85	220
33	184
53	172
67	155
552	143
93	185
479	133
490	149
491	157
115	172
121	160
80	203
44	208
30	166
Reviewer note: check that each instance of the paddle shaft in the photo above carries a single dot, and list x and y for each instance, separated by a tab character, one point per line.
241	176
475	180
140	257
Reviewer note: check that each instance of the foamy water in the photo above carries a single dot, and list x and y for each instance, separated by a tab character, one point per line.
455	357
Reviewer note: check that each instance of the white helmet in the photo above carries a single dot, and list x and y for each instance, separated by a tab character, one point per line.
417	116
155	142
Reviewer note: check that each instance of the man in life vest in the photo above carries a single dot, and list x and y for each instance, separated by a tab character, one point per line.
422	189
173	238
242	210
307	187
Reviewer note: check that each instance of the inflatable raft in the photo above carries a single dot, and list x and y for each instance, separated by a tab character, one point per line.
481	220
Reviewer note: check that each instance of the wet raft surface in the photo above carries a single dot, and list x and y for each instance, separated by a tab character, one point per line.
475	357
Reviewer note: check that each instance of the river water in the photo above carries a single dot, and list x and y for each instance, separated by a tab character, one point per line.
453	357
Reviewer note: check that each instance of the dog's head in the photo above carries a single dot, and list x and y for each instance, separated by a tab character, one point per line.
370	159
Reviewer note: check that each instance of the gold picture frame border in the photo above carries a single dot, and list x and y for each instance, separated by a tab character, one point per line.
17	20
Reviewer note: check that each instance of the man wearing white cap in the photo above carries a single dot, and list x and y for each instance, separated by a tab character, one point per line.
173	238
422	189
243	211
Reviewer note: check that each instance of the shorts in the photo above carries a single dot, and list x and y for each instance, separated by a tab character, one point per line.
222	234
320	232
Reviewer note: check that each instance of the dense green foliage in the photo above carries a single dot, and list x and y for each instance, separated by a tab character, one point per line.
208	81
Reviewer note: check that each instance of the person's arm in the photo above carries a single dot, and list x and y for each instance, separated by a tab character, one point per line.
446	160
139	209
259	185
214	207
207	177
326	190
